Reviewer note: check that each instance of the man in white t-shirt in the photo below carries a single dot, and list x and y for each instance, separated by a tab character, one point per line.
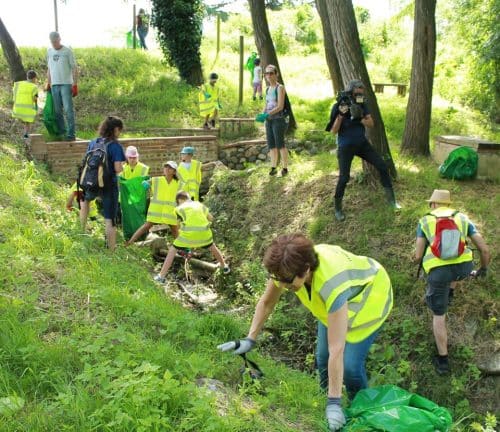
62	77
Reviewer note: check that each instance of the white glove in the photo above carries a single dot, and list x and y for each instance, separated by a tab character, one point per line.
239	346
335	417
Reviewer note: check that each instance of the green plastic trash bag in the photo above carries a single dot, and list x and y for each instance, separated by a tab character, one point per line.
250	65
130	39
49	116
461	164
391	409
133	202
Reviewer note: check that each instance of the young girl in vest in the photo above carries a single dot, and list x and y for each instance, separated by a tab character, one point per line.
25	101
189	173
162	205
194	220
133	168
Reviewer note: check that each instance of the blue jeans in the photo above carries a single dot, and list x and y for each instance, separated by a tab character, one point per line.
355	354
63	106
275	132
142	32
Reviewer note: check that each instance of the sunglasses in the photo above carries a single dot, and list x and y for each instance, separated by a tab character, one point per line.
269	73
281	279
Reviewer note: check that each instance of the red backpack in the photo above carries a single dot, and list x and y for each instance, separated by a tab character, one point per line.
448	241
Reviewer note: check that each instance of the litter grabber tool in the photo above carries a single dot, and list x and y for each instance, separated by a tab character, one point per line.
250	367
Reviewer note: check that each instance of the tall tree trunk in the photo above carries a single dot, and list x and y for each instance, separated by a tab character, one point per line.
11	54
330	55
352	66
265	45
418	110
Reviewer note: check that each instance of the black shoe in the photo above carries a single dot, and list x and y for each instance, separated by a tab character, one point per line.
273	171
212	123
26	136
206	126
442	366
339	214
284	172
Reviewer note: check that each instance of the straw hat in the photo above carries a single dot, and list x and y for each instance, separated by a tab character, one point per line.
441	196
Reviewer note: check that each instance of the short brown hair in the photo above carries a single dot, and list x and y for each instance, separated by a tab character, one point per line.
290	255
181	195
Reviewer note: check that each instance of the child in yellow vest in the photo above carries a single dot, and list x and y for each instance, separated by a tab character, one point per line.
209	99
25	101
194	221
133	168
189	173
162	205
77	195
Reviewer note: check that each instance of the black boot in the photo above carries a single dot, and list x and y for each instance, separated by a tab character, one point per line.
391	198
339	214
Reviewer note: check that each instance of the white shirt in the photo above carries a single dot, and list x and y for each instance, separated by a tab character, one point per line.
61	63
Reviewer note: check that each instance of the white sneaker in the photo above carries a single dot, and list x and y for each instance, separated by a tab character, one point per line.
159	278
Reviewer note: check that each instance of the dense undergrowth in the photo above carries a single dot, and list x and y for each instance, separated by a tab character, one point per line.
88	343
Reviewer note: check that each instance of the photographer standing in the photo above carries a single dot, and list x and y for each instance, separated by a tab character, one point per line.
348	118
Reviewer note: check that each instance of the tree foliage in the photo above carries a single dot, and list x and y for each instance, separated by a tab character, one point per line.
179	25
482	52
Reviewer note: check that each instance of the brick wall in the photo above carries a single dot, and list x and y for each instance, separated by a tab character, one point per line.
63	157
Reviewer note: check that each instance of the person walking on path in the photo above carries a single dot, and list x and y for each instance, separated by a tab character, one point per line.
276	121
442	251
162	205
26	101
209	99
349	295
194	232
189	173
349	118
62	81
142	22
257	80
109	132
133	167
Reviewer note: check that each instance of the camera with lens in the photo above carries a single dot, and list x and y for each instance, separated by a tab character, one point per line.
350	102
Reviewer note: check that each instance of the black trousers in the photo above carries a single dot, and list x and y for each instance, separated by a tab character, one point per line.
365	151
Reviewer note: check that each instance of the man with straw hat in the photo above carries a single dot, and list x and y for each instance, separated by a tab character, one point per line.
442	250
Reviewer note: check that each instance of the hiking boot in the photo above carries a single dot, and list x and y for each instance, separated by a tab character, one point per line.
160	279
339	214
273	171
391	198
284	172
442	366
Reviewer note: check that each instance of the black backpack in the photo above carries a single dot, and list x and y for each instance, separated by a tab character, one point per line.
94	168
287	107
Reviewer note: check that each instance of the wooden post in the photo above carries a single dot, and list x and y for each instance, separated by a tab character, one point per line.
218	34
134	39
55	15
242	47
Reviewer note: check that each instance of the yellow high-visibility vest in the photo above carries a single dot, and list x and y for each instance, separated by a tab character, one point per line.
140	170
209	99
195	227
25	107
92	205
428	225
162	206
190	180
340	270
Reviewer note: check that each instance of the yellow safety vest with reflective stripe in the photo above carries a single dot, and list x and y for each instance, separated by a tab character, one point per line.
340	270
209	99
25	107
92	205
195	229
140	170
162	205
190	179
428	226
